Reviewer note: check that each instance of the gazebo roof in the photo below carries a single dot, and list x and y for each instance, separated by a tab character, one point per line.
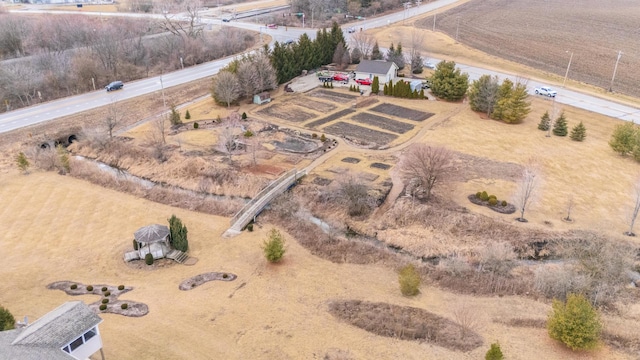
151	233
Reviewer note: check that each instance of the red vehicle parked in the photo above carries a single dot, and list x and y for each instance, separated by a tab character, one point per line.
366	81
341	77
272	26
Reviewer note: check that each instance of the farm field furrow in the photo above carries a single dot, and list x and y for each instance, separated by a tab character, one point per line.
544	34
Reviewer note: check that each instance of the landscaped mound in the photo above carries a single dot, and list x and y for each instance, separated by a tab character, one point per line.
497	206
405	323
108	301
198	280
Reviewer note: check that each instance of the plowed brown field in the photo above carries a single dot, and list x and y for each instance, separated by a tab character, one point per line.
542	34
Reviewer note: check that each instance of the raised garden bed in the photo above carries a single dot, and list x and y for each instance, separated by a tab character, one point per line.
509	209
286	112
361	133
113	306
382	122
402	112
351	160
195	281
377	165
319	106
330	118
332	95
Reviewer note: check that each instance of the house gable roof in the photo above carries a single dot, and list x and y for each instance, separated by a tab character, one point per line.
44	338
151	233
375	66
59	326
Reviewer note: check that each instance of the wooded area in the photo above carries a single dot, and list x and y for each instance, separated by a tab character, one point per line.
46	58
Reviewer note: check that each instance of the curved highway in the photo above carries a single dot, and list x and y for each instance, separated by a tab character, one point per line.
71	105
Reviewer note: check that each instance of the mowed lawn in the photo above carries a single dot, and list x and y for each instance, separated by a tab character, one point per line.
59	228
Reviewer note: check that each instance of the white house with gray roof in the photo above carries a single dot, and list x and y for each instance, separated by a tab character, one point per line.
384	70
66	333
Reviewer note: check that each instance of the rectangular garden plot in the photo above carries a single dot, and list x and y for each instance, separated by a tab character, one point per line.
383	123
402	112
330	118
287	112
333	95
361	133
319	106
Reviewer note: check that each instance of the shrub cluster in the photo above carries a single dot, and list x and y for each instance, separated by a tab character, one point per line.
148	259
244	116
195	125
575	323
105	301
124	306
103	307
328	85
74	286
107	293
135	244
354	88
409	280
402	89
104	288
89	288
120	287
491	199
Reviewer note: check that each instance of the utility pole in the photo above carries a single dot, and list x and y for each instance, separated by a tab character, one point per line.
164	101
434	22
568	66
615	68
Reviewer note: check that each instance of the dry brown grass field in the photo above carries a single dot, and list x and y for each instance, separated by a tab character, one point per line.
61	228
538	34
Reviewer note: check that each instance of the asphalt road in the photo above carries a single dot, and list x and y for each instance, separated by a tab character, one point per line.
71	105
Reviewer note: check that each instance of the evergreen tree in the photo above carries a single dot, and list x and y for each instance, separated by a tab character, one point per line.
399	57
375	52
386	89
447	82
174	117
515	107
23	162
545	122
575	323
375	85
178	234
390	88
187	115
483	94
494	353
356	56
273	247
579	132
7	321
409	280
623	140
560	126
337	36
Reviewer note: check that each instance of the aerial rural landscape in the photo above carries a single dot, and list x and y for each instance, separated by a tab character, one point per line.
319	180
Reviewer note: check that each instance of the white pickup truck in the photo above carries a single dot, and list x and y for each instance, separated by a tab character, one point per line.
545	90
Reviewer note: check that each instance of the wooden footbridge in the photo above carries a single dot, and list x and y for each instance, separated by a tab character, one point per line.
260	201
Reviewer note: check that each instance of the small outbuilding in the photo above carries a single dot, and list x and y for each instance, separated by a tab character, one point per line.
384	70
262	98
153	239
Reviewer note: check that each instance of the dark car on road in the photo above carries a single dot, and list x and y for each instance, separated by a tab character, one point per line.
116	85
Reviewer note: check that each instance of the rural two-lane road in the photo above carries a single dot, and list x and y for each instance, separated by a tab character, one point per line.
13	120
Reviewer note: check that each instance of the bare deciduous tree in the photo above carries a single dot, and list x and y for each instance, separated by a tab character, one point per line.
636	208
425	166
226	88
363	42
113	117
182	18
527	190
226	140
468	319
156	137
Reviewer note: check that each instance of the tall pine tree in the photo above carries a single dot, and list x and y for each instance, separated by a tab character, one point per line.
448	83
579	132
545	122
560	127
375	52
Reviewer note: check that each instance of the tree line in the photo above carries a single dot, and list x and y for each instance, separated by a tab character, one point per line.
65	55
